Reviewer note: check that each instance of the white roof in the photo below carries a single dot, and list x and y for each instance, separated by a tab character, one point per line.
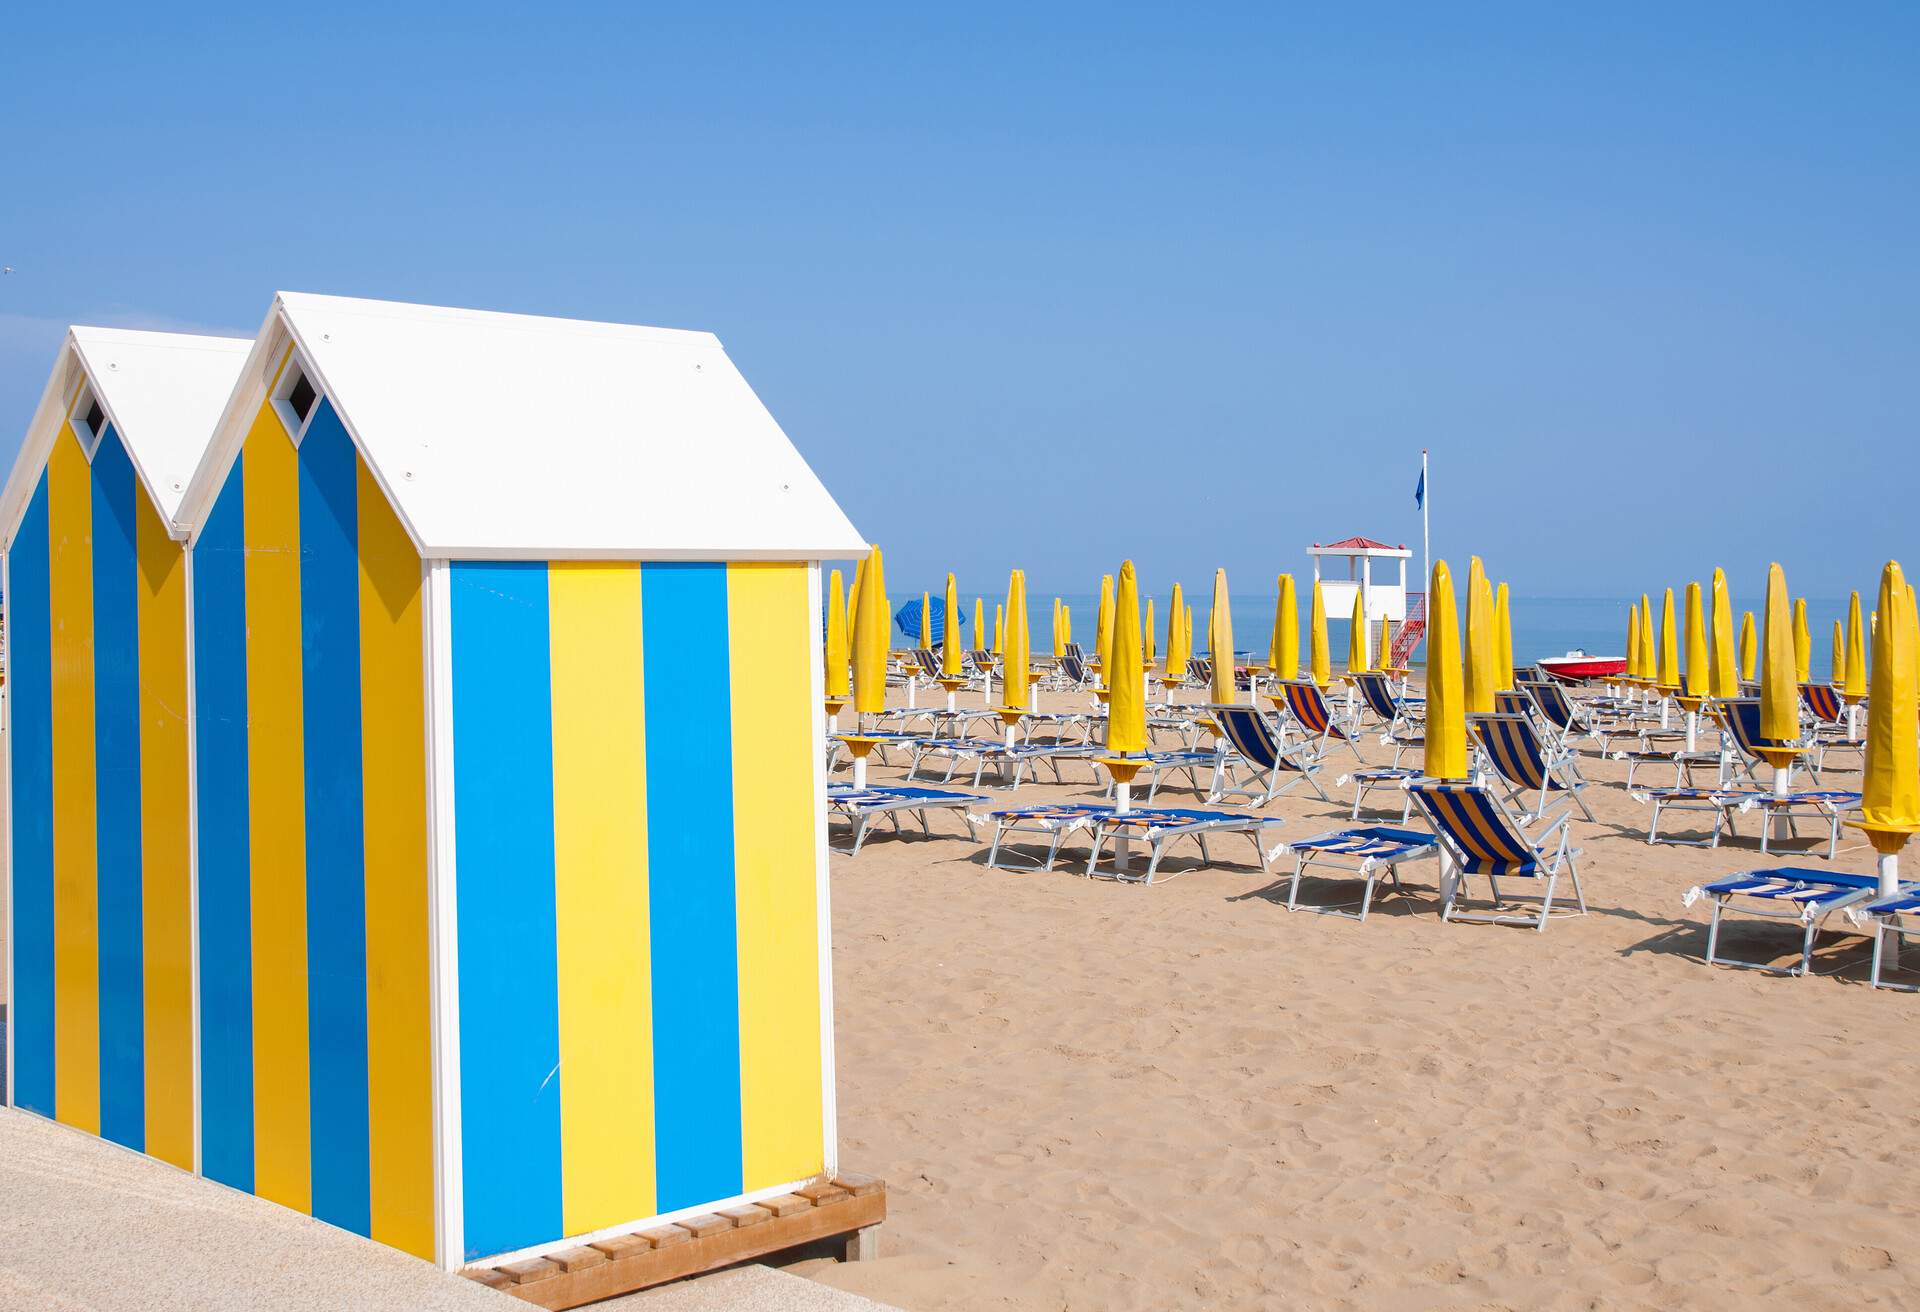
163	391
508	436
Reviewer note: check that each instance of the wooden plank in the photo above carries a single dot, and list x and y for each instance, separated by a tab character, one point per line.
822	1194
577	1259
621	1247
702	1226
751	1214
529	1270
859	1185
486	1275
786	1204
662	1235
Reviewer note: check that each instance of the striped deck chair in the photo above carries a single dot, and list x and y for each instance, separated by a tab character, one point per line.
1361	852
928	661
1558	711
1072	672
1257	743
1307	707
1791	893
1512	747
1483	839
862	806
1159	827
1886	918
1054	822
1394	712
982	661
1822	702
1511	701
1200	670
1740	717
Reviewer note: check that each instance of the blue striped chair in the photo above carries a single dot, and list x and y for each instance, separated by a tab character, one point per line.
1740	719
1306	706
862	806
1396	714
1362	852
1256	743
1790	893
1483	839
1511	748
1823	703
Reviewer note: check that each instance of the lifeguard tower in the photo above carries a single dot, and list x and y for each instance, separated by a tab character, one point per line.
1379	597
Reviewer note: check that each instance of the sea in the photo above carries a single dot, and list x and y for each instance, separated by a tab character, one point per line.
1542	626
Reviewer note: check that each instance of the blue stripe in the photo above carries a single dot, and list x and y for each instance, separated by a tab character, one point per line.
30	679
225	901
503	853
336	839
116	712
696	1049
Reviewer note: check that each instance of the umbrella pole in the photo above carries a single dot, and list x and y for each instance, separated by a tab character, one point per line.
1693	731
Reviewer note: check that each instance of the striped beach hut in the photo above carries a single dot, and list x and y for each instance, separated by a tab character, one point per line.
511	872
99	925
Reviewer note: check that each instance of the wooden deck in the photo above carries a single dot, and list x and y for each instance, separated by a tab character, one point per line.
846	1207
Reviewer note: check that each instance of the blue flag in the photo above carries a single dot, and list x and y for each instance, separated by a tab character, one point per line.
1420	490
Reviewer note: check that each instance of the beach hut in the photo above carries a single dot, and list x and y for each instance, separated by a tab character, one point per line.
99	918
511	840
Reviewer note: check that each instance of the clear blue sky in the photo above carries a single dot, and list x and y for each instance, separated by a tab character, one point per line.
1050	285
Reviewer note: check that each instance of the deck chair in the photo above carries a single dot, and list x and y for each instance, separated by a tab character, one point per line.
928	661
1740	718
982	661
1307	707
862	806
1054	822
1200	670
1257	743
1159	827
1361	852
1511	701
1395	713
1484	839
1822	702
1512	748
1886	919
1790	893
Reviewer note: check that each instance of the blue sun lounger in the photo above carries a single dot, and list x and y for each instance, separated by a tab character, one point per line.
1051	821
1155	763
1011	762
862	806
1256	743
1484	839
1385	776
1885	918
1159	826
1791	893
1362	852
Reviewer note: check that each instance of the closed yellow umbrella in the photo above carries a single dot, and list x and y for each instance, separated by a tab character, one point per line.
979	624
1633	644
853	598
1669	647
1725	680
1890	807
1177	649
1220	641
1749	649
1357	662
1127	706
1853	676
1779	698
1146	636
871	627
1013	678
1286	632
1802	642
1383	659
1319	661
1649	657
1479	653
1187	621
1446	737
1502	639
1103	627
1066	624
950	640
838	682
999	630
1059	641
1839	654
1697	678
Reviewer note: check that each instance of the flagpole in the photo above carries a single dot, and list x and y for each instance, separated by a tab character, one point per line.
1426	538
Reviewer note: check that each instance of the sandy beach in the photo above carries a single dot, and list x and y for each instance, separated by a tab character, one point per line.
1088	1095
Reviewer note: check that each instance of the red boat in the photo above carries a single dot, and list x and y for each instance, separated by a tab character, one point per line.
1578	667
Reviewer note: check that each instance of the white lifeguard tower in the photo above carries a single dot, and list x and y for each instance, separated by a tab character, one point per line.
1379	597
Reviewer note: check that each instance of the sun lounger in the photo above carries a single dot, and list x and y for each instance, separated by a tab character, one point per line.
1885	918
1720	803
1484	839
1155	763
1512	748
1054	822
862	806
981	751
1828	805
1160	826
1790	893
1256	744
1362	852
1365	781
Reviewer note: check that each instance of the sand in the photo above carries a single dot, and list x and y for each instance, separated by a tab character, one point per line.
1088	1095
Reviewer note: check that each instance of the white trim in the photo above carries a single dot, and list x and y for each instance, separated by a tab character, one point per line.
823	901
89	439
7	921
443	944
193	854
281	397
639	1223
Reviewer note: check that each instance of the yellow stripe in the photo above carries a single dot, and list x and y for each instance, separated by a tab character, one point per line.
394	806
166	895
782	1129
276	791
76	888
601	913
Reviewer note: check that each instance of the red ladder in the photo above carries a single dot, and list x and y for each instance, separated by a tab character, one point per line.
1411	630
